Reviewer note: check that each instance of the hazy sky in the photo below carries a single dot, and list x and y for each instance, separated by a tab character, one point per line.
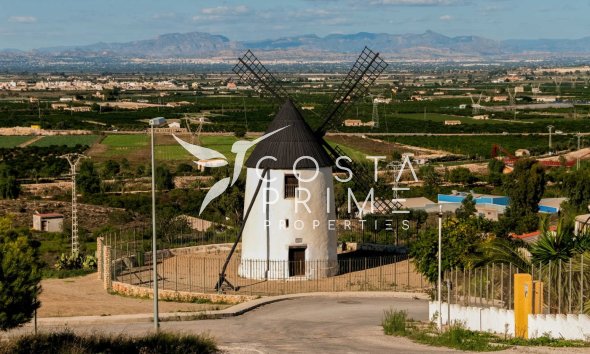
26	24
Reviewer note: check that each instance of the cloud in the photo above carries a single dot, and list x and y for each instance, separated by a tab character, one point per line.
446	18
417	2
22	19
225	10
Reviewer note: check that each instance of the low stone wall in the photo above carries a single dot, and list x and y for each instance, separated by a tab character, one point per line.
182	296
216	248
496	320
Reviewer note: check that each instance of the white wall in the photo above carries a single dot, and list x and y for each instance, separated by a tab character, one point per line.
491	319
560	326
495	320
320	241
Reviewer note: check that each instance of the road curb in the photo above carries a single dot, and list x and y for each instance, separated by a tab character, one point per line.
233	311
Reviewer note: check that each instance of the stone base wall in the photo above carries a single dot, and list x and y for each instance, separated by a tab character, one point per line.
181	296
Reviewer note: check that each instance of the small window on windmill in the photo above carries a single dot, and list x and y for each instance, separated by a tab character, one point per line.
291	184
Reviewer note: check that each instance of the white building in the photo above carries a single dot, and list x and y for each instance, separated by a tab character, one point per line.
285	229
175	125
49	222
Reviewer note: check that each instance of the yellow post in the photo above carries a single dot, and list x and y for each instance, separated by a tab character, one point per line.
538	297
523	303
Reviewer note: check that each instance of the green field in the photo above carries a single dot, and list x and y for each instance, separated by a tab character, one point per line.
128	140
13	141
481	146
222	144
136	147
68	140
354	154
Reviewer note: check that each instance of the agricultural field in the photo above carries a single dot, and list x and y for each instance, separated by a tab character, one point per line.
438	117
136	147
67	140
358	148
481	146
13	141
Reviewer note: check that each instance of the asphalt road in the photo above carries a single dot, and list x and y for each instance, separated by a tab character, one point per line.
332	324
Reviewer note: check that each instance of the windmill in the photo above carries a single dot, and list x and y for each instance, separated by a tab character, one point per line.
287	146
476	106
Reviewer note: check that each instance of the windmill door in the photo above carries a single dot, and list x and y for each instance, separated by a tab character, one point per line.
296	261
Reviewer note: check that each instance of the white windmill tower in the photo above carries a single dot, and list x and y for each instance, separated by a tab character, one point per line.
281	227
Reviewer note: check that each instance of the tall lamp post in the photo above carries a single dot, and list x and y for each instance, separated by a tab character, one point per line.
439	285
550	127
156	122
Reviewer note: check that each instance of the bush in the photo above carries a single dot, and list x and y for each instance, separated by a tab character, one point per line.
394	322
75	261
68	342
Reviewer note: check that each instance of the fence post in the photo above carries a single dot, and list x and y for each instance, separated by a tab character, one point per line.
487	284
408	270
99	255
380	273
395	272
469	287
365	267
510	287
493	283
502	283
581	283
107	281
569	294
559	288
549	300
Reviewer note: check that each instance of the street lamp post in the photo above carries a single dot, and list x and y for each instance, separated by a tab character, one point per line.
439	285
550	127
153	124
579	136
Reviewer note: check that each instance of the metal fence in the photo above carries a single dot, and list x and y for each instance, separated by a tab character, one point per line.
192	270
565	285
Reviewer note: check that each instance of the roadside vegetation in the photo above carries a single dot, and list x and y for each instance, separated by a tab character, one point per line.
68	342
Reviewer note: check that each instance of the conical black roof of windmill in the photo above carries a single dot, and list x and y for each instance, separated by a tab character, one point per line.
289	144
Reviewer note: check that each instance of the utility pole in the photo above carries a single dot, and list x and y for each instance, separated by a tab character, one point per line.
73	159
578	158
375	114
550	127
439	284
245	114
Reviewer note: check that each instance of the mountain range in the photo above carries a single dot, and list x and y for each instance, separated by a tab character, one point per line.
429	43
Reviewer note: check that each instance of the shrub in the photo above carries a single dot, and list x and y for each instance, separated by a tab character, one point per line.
394	322
75	261
68	342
